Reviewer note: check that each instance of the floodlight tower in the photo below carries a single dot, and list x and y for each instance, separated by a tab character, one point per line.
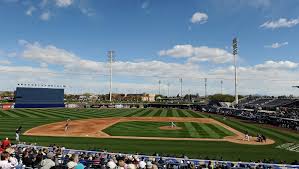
168	84
221	83
206	80
159	87
181	81
235	53
111	59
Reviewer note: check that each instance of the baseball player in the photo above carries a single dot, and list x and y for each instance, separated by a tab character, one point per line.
18	131
173	125
66	125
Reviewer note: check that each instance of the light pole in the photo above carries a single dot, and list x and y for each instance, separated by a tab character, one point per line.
181	81
221	83
159	87
111	60
168	84
206	80
235	53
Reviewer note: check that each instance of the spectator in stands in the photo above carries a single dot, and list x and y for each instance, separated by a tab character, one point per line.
48	162
5	143
73	161
4	163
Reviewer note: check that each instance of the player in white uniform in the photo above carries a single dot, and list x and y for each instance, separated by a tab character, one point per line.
66	127
173	125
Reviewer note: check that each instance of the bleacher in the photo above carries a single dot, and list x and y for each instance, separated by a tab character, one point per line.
169	162
279	102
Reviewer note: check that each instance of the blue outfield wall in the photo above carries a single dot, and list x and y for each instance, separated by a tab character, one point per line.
39	106
39	97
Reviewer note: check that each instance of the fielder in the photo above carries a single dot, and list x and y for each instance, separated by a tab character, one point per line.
66	127
18	131
173	125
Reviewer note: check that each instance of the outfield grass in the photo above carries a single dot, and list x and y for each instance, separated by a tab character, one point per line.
151	129
28	118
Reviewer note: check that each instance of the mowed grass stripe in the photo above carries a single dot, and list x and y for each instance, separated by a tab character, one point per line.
21	113
195	114
175	113
223	130
202	132
181	114
146	113
9	114
158	113
154	111
218	131
139	114
37	114
187	114
132	113
163	113
169	113
210	131
191	130
53	114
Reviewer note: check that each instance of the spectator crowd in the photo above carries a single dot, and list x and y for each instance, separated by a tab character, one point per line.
54	157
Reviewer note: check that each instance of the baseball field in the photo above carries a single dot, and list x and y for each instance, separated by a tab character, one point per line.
148	131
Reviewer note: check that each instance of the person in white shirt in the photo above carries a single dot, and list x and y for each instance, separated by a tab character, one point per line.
4	163
48	163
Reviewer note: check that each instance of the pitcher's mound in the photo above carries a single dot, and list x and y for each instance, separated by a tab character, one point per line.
170	128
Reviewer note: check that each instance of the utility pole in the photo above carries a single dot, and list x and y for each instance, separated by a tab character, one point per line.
221	83
235	53
206	87
168	84
159	87
181	81
111	60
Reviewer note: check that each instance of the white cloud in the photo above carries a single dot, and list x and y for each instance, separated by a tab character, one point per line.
199	17
198	54
64	3
277	45
5	62
50	54
30	10
45	16
276	65
280	23
142	76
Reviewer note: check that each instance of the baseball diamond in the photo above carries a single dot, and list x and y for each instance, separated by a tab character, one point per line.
199	135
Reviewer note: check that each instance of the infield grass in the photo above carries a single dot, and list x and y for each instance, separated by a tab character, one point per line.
151	129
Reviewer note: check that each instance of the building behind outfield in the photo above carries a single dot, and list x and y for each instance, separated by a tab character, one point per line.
39	97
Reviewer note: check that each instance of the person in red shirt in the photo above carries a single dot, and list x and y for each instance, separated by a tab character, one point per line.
5	143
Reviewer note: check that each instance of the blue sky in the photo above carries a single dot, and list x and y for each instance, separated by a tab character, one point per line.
159	39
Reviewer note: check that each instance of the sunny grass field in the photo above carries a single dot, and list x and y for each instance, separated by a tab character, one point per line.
151	129
28	118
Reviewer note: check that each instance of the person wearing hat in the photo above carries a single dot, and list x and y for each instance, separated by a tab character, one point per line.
4	163
48	162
